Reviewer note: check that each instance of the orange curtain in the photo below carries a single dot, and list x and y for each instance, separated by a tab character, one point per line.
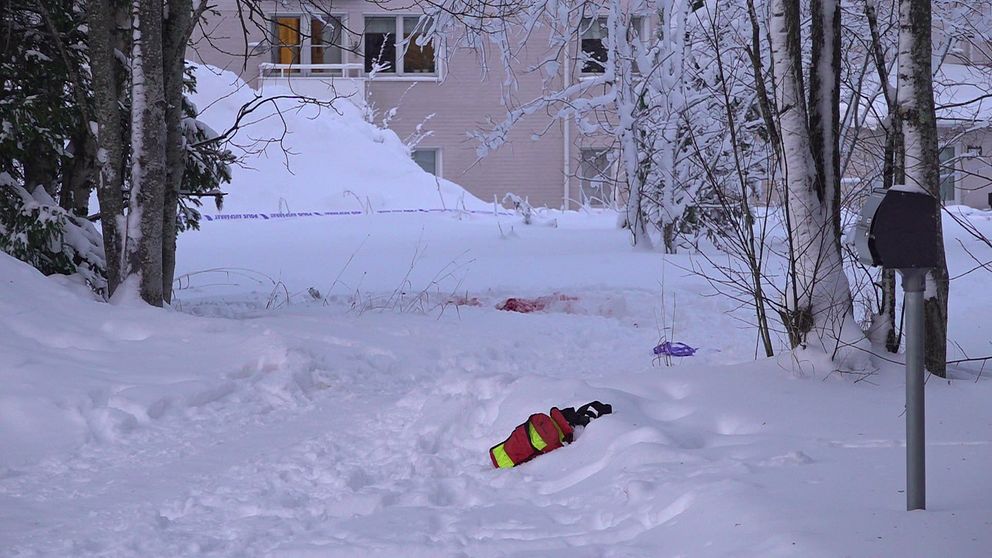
288	29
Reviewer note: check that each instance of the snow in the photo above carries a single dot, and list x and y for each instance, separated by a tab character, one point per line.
257	419
330	158
910	188
359	428
960	96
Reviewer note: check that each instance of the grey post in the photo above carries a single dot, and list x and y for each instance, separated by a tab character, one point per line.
913	281
898	229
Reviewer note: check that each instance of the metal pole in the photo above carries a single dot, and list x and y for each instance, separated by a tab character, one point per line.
913	281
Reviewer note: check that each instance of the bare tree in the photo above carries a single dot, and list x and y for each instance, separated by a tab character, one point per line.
733	152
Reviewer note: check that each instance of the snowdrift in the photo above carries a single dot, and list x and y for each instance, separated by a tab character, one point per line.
298	157
75	371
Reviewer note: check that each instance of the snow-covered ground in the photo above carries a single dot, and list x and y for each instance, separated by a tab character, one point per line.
260	418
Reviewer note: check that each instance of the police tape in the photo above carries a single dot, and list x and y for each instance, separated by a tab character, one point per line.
298	214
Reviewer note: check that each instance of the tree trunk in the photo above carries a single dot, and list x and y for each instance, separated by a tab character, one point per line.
824	107
79	174
636	219
174	35
892	173
916	109
819	299
892	170
143	253
106	83
763	100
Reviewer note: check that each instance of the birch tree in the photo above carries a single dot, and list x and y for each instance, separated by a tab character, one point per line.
960	31
636	101
667	101
152	165
892	165
818	295
824	108
143	236
922	168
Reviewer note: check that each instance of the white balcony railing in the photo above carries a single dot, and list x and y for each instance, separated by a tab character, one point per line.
353	70
321	81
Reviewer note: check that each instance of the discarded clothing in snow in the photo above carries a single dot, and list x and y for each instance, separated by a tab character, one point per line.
542	433
674	349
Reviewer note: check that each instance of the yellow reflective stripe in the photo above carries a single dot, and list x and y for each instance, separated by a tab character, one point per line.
503	460
561	435
535	439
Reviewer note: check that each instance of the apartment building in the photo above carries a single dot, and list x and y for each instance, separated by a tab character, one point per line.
368	51
964	116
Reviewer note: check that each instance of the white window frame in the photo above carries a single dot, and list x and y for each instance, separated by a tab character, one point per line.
954	174
438	159
401	47
306	27
638	22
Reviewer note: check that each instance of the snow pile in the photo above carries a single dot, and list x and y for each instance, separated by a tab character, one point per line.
302	157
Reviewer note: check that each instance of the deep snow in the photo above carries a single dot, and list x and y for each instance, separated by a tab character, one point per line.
258	418
360	426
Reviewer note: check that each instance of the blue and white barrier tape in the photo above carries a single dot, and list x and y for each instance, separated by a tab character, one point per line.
295	214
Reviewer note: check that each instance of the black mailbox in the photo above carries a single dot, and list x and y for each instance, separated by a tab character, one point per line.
898	229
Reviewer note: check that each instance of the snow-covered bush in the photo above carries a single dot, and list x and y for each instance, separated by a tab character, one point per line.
521	206
34	229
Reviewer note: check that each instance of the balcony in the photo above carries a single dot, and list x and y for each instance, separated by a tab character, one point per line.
320	81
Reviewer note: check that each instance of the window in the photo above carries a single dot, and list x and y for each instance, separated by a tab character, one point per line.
427	159
287	40
380	44
595	177
593	48
325	41
304	41
593	43
381	50
947	173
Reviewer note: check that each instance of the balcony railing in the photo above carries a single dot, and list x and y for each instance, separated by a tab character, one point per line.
353	70
321	81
